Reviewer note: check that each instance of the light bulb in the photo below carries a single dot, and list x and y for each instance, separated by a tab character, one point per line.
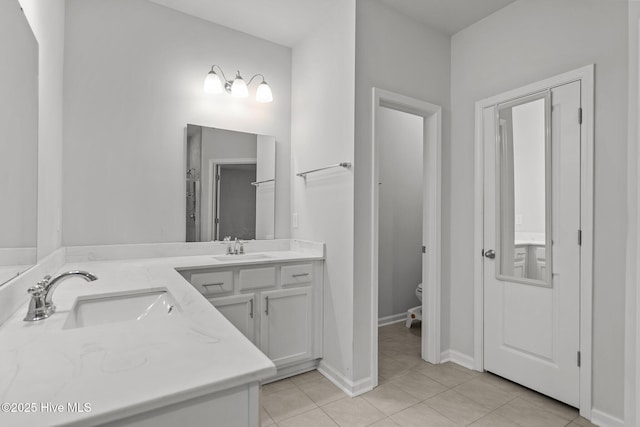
263	94
239	87
212	83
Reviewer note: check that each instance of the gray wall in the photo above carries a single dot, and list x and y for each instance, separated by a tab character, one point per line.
520	44
399	136
395	53
133	80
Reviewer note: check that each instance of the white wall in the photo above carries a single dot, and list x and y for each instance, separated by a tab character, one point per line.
322	134
18	134
400	222
395	53
520	44
133	80
47	20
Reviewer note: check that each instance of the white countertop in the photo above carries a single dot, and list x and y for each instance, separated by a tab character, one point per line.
126	368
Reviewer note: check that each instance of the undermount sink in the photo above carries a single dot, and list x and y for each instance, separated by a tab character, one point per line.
112	308
241	257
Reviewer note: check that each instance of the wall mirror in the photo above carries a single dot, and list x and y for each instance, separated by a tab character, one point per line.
18	142
524	190
230	185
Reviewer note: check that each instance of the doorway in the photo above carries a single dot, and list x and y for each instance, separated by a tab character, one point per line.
534	193
387	104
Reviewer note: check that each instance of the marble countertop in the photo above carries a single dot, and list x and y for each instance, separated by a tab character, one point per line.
126	368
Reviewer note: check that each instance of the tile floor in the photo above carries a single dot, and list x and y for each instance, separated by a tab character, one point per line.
412	392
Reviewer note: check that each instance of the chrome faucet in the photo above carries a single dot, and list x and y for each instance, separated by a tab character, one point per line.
41	305
238	246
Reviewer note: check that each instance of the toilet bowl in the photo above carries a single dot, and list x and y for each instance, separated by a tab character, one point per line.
415	313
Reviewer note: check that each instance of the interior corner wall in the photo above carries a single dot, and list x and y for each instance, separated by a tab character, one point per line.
510	49
133	80
395	53
47	20
323	134
632	344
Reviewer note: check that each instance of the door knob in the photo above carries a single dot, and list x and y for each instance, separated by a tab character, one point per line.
491	254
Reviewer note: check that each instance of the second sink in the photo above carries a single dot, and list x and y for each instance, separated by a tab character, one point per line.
111	308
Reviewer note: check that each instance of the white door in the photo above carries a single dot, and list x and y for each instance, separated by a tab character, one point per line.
286	326
240	311
532	199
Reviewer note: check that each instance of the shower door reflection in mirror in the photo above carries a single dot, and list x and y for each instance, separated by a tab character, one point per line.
524	190
230	185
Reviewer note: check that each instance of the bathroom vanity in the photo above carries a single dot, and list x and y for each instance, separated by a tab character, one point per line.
142	346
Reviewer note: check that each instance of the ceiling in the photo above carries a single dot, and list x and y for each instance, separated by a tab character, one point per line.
287	21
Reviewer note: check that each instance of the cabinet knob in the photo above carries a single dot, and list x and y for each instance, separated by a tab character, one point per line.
491	254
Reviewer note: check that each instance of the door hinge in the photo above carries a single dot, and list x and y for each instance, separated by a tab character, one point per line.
217	220
580	115
579	361
579	237
424	249
218	177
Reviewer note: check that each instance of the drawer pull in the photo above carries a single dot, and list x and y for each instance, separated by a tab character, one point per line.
266	304
300	275
221	284
251	308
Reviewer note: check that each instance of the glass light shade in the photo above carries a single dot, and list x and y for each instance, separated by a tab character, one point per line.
212	83
239	88
263	94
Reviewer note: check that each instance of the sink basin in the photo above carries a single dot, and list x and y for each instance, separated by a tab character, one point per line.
112	308
243	257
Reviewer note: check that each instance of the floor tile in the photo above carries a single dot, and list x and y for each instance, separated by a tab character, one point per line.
421	415
527	414
418	385
494	420
389	399
386	422
457	408
286	403
353	412
560	409
314	418
308	377
583	422
277	386
485	394
322	392
501	383
265	418
445	374
390	369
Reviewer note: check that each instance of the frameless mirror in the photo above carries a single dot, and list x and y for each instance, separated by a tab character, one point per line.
230	185
18	141
524	190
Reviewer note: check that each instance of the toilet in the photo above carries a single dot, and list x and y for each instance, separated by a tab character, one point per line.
415	313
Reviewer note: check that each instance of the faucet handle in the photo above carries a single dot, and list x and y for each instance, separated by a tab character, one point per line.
37	290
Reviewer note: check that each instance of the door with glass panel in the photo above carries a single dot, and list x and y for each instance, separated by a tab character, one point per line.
531	241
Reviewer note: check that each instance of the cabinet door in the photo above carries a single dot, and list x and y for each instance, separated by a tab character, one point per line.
286	325
240	311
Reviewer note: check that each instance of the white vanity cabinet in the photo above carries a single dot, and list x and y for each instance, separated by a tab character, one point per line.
277	306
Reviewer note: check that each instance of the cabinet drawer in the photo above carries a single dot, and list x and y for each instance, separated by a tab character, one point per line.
297	274
212	283
257	278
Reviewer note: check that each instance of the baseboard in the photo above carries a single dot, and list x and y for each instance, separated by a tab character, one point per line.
394	318
603	419
349	387
457	358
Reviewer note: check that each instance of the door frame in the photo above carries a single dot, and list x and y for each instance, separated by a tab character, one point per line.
586	76
432	146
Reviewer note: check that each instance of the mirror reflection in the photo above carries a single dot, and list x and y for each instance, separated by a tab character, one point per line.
524	159
230	185
18	141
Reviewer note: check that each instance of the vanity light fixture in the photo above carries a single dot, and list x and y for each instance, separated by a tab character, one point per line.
236	87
